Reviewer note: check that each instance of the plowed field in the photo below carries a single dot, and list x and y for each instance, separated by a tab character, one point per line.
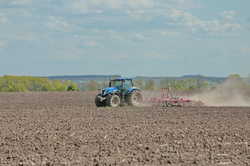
67	129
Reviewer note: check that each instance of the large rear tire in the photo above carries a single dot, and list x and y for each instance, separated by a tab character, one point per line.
113	101
135	98
98	101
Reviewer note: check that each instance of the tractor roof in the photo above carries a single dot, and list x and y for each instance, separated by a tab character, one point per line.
121	79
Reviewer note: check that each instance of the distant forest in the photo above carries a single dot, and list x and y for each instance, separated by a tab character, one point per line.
188	82
183	83
27	83
95	82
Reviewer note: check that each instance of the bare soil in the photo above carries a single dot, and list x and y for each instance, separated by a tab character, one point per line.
67	129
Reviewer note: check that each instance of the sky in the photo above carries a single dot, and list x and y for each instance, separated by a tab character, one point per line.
126	37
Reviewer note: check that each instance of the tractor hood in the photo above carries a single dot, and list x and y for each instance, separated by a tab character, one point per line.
109	90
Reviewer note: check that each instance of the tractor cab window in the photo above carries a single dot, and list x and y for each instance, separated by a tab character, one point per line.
115	83
128	84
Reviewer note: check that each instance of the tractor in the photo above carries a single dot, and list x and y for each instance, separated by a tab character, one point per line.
120	91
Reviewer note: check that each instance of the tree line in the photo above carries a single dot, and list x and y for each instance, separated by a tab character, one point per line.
188	84
182	85
28	83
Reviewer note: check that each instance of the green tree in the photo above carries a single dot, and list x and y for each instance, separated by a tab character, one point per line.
92	85
139	83
24	83
71	86
234	76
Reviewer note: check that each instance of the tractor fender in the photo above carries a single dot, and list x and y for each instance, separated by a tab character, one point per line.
110	91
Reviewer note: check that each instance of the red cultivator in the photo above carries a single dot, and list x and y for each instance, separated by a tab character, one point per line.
167	99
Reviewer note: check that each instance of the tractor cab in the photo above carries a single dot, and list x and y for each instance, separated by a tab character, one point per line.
121	84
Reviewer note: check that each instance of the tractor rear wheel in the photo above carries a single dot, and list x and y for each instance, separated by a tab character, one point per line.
98	101
135	98
113	101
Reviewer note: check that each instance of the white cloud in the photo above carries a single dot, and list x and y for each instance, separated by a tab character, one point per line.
175	12
140	37
169	33
86	6
58	24
182	4
229	15
120	56
20	2
16	2
193	23
138	6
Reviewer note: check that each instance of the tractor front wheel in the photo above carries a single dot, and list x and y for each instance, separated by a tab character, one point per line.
113	101
135	98
98	101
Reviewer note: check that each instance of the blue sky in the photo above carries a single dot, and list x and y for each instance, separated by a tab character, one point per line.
127	37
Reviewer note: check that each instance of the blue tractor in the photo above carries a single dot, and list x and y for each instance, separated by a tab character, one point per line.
121	91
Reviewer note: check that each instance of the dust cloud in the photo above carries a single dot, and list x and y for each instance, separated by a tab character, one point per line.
233	92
